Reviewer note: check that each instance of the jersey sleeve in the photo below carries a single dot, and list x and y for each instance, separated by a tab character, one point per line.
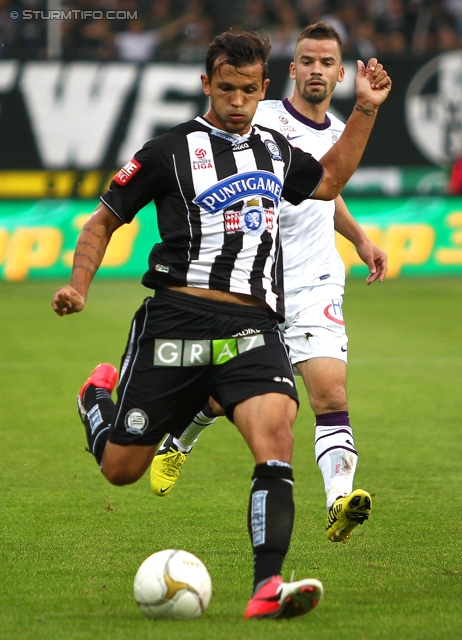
303	177
138	182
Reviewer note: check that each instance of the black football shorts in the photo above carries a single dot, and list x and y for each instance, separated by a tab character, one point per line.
181	350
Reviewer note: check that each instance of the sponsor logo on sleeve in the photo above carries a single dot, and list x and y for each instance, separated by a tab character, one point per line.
162	268
273	150
127	172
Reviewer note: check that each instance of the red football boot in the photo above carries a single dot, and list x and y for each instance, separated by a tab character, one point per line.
278	599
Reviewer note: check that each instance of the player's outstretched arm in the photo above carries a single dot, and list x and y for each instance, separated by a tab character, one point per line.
370	254
89	252
372	88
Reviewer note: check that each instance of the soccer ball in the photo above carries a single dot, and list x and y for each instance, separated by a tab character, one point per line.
172	584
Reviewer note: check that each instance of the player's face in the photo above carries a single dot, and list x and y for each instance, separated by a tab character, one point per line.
234	95
316	69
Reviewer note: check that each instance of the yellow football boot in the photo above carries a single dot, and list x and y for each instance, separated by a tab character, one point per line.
166	467
346	513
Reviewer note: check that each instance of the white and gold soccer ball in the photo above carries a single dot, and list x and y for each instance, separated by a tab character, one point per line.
172	584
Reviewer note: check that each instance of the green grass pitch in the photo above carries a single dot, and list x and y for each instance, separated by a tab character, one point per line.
70	543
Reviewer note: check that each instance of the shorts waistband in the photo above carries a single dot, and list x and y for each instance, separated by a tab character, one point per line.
215	306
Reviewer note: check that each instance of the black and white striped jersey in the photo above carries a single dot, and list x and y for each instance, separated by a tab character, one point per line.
217	197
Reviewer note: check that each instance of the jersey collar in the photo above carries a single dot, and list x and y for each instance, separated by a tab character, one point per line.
231	137
303	119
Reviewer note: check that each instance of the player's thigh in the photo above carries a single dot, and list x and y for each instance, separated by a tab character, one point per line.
157	392
155	401
261	370
258	392
315	327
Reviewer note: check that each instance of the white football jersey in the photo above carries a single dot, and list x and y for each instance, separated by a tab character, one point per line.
307	230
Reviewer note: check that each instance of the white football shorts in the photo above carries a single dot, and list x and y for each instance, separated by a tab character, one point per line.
314	326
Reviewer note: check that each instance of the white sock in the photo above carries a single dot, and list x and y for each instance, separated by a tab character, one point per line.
190	435
337	459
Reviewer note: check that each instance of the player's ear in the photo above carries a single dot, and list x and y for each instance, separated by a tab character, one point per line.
265	86
292	70
341	74
205	84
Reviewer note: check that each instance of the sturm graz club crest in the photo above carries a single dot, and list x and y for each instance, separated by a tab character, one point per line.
273	150
253	218
434	108
136	421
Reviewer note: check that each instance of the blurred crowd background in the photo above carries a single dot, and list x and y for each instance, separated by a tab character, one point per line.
180	30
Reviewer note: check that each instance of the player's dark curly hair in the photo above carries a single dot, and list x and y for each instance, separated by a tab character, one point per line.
320	31
238	50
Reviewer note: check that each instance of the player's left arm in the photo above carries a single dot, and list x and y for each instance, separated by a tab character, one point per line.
373	85
370	254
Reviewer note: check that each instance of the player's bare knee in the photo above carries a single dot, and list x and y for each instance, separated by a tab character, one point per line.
216	408
332	400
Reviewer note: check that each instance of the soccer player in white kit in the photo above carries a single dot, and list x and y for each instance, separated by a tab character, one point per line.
314	280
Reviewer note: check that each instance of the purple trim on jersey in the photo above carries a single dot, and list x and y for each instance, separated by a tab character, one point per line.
304	120
334	419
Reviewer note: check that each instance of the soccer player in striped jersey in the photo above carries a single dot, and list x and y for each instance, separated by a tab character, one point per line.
211	328
314	280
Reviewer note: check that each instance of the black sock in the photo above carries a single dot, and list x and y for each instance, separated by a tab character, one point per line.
100	413
270	518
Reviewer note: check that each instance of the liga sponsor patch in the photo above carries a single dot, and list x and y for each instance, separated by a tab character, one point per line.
127	172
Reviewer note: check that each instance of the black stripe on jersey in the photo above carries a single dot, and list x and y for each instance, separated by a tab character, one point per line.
264	248
277	275
284	146
223	265
183	175
265	163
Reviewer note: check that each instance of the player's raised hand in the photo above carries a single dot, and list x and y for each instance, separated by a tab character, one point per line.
67	300
373	83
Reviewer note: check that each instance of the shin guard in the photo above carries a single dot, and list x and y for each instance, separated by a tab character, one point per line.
97	414
270	517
